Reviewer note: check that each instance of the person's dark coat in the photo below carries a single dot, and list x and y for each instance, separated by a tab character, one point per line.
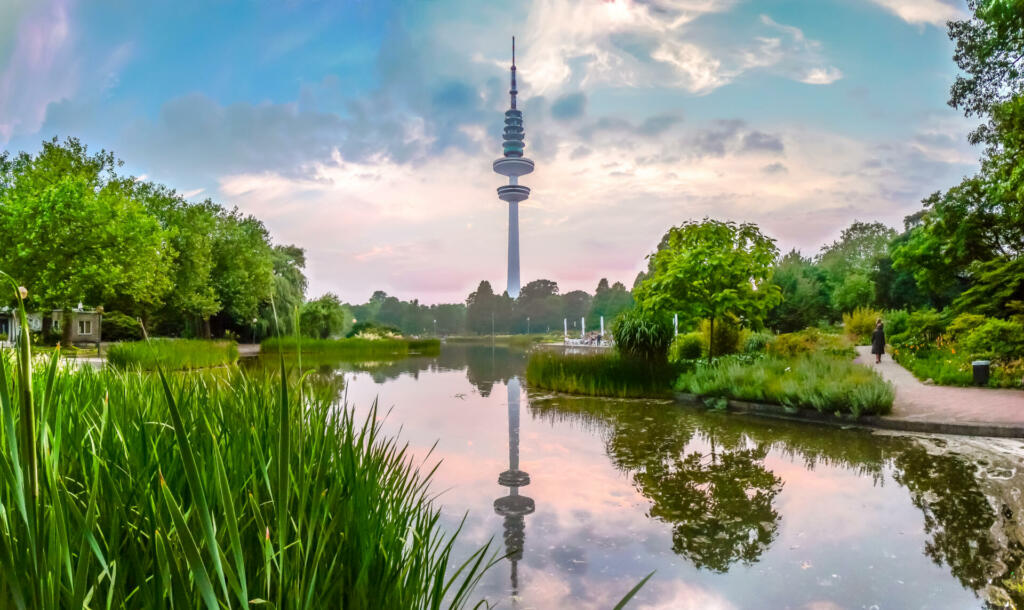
878	341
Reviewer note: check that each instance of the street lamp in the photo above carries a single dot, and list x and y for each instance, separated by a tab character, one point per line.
527	324
254	320
435	328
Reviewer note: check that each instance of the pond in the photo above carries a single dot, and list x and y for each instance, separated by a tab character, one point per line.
588	496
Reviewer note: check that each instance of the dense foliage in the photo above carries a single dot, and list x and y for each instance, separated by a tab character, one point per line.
74	230
598	374
642	335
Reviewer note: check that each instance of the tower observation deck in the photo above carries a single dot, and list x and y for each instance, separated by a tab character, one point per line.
513	165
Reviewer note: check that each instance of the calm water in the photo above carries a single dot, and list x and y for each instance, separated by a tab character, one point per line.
731	511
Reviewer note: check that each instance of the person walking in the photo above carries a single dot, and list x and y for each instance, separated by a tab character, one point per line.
878	341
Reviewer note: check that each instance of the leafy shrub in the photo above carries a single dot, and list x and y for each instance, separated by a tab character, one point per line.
688	346
995	339
117	326
599	374
643	334
860	323
923	326
817	381
790	345
896	321
963	324
757	343
728	336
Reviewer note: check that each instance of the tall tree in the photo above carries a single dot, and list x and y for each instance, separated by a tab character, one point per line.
714	270
481	307
71	231
610	301
805	296
243	268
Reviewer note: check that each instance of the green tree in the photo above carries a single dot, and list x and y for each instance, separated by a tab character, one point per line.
989	48
71	231
609	301
539	300
481	306
243	268
324	318
189	230
712	269
858	250
856	290
805	297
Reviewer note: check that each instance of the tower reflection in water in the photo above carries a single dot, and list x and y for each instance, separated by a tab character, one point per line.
514	507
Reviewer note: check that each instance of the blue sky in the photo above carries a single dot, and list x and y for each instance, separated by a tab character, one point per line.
364	131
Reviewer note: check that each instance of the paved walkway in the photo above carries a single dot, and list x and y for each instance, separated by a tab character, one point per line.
917	402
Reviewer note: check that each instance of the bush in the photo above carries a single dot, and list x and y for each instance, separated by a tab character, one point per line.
962	325
172	354
117	326
896	321
816	381
923	326
861	323
757	343
688	346
996	339
728	336
599	374
809	340
642	334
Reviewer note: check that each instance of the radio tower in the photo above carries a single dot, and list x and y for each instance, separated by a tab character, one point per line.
513	164
514	507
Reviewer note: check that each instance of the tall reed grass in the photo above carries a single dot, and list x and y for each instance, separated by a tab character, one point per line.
172	354
120	489
815	381
599	374
354	348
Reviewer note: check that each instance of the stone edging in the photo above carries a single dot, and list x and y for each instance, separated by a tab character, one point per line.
867	421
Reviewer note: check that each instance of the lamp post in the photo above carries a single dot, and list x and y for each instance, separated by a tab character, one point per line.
254	320
527	324
435	328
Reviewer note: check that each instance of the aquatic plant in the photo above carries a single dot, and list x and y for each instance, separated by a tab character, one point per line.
598	374
129	490
354	348
172	354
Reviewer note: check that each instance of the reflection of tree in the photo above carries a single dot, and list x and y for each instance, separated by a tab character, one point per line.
704	474
713	490
719	505
959	524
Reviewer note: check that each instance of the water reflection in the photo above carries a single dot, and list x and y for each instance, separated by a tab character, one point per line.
514	507
733	512
706	475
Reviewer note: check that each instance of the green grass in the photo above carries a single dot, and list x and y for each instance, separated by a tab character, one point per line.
354	348
172	354
598	374
123	490
811	381
505	340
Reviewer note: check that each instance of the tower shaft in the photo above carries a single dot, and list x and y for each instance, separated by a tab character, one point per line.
513	249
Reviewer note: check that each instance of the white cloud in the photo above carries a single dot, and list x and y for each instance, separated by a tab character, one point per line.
822	76
930	12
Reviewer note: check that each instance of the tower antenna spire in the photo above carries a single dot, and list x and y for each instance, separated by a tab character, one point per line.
513	90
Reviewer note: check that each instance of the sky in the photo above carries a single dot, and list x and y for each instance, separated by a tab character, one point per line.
364	131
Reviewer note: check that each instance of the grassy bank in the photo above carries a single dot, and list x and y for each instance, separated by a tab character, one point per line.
172	354
504	340
810	381
209	493
354	348
598	374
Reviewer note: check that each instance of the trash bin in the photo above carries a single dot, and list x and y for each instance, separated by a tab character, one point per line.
981	370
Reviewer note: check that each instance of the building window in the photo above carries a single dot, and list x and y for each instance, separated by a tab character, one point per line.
85	327
55	325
